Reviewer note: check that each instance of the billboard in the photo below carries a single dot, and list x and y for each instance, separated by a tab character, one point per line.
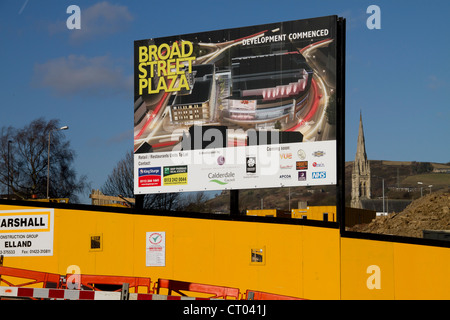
250	107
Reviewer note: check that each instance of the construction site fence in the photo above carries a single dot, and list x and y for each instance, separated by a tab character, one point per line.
18	283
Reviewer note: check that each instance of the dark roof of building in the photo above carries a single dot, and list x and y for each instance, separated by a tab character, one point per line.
200	93
391	205
202	70
267	71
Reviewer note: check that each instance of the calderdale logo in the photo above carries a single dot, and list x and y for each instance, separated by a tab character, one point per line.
221	178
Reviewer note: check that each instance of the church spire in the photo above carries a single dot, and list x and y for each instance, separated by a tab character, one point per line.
361	155
361	184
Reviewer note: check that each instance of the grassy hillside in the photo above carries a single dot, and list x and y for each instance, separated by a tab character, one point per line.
437	180
399	175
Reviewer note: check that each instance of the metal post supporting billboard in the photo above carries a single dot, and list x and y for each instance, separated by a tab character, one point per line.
340	114
234	202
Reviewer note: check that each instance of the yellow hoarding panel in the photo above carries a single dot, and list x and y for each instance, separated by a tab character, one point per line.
391	270
320	263
248	255
421	272
303	261
367	270
320	213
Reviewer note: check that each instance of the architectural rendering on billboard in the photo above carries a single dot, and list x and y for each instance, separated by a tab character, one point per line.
251	107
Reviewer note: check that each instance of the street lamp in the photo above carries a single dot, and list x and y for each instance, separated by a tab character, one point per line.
430	187
382	186
48	156
289	199
421	194
261	199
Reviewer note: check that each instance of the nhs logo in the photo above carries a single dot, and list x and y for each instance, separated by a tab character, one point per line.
319	175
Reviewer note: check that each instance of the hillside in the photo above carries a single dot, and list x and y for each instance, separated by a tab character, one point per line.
401	178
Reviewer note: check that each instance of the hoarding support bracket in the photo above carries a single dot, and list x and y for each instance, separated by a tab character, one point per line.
139	201
124	294
234	202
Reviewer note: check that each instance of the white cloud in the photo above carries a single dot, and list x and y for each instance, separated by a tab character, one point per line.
101	19
121	137
23	7
435	83
80	75
355	20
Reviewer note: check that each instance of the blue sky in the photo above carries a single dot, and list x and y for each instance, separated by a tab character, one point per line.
397	76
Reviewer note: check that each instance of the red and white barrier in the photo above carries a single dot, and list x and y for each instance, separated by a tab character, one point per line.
44	293
144	296
67	294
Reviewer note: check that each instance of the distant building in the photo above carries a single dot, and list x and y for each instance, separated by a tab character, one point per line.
361	183
196	104
361	172
270	77
390	205
268	87
441	170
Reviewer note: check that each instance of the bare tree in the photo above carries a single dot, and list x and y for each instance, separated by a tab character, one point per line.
163	201
121	182
195	201
24	162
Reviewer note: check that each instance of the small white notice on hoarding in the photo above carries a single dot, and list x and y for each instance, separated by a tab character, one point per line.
26	232
155	249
